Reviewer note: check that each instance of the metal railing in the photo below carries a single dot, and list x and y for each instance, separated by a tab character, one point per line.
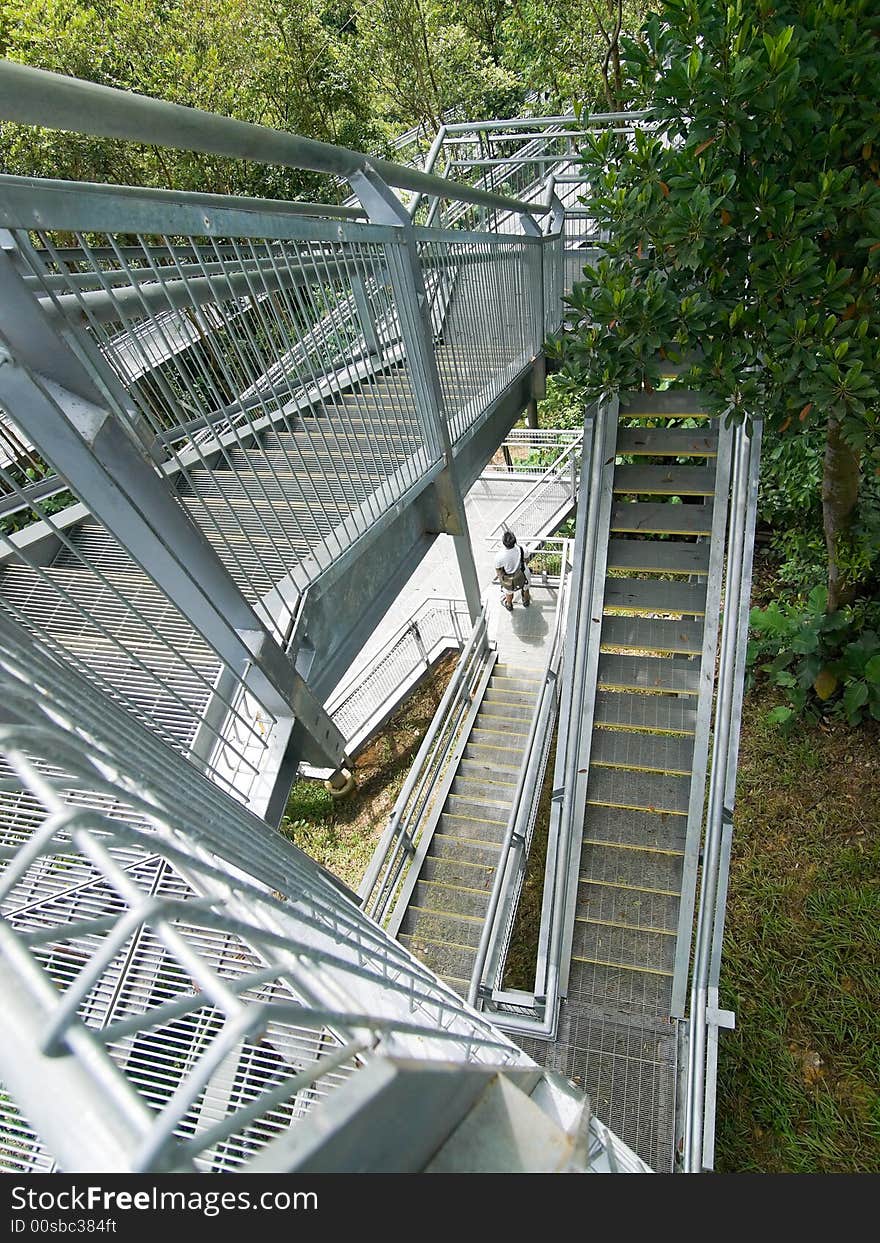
295	376
536	1013
705	1017
363	704
406	830
173	970
552	496
513	858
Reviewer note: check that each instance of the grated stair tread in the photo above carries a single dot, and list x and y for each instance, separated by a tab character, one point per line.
638	791
666	442
669	480
623	748
649	595
665	713
661	518
648	673
648	556
670	403
644	634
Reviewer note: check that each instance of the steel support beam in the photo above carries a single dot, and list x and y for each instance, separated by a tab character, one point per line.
383	207
45	386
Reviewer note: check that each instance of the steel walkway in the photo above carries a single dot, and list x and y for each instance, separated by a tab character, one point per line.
266	414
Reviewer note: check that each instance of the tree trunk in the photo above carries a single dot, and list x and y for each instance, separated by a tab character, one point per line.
840	490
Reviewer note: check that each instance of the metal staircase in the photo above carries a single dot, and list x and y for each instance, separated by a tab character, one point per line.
248	422
443	914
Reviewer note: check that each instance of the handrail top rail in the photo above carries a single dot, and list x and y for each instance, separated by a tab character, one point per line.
187	198
459	127
39	97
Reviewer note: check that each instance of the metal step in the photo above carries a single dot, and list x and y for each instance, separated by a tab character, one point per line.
507	739
649	871
487	773
492	712
444	957
648	673
475	809
618	826
494	794
638	791
503	759
651	595
619	991
461	929
666	442
633	907
658	518
624	947
665	713
458	873
504	695
450	899
649	634
676	403
503	683
672	480
453	825
660	753
472	851
658	555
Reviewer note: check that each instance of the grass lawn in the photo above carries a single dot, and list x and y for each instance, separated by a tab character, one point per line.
799	1079
343	835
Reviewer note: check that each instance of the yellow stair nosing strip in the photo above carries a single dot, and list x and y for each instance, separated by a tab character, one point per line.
616	528
435	941
473	819
459	888
621	966
616	884
652	811
648	610
611	923
429	910
641	729
655	850
628	687
629	766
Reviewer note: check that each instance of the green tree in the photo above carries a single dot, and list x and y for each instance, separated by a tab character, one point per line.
746	228
425	59
283	63
572	53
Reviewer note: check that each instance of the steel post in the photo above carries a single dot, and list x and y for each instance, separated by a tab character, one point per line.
47	388
383	207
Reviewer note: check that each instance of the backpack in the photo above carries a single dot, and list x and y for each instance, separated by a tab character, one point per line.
517	580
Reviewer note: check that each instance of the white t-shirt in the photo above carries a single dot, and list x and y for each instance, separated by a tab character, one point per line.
507	561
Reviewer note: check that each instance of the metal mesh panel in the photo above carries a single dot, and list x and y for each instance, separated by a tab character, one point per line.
269	371
490	332
153	910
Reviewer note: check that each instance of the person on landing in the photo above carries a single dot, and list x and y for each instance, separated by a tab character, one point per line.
512	572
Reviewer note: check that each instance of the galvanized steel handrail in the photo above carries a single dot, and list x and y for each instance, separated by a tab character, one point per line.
528	787
722	785
37	97
398	841
564	464
356	727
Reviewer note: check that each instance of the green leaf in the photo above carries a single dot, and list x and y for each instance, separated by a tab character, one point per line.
872	670
781	716
854	697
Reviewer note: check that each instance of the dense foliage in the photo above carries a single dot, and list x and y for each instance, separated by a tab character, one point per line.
746	229
354	72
